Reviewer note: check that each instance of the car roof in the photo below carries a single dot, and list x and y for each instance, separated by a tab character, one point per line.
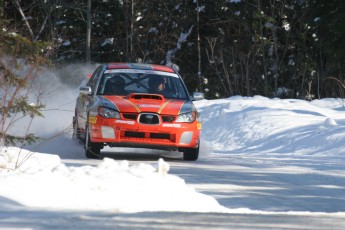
140	66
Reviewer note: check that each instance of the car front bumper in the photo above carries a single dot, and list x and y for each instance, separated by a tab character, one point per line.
131	133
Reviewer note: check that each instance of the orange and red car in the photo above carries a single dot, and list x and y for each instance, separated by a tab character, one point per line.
137	105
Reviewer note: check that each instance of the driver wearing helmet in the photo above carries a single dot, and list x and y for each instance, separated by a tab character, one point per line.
157	86
115	86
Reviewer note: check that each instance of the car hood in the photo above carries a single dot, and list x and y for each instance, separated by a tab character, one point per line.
149	103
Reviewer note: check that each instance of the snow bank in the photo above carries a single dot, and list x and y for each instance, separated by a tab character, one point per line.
43	181
259	124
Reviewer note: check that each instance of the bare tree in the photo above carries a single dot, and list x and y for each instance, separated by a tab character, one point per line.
88	33
210	52
198	10
48	11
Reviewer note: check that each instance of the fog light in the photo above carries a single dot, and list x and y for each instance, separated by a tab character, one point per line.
186	137
108	132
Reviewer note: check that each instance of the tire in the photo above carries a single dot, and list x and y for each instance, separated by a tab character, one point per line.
92	149
76	130
191	154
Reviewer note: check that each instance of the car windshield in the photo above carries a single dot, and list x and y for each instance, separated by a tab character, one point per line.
124	82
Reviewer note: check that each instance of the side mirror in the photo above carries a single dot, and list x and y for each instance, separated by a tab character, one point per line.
197	96
85	90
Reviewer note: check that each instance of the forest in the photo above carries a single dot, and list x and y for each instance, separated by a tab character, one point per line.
273	48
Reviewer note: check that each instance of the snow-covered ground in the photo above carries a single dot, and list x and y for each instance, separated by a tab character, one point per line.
300	143
44	182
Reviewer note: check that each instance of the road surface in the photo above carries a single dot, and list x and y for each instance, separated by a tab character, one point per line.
260	193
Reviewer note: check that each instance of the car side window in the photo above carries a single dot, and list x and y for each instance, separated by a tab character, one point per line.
93	80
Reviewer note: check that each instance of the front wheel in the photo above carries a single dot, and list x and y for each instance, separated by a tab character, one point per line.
76	130
191	154
92	149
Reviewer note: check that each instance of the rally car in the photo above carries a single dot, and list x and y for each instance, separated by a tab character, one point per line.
137	105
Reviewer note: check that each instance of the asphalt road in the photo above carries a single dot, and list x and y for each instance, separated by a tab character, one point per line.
35	219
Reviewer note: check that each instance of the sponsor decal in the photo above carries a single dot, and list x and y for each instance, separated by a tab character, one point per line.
199	125
125	122
172	125
92	120
148	106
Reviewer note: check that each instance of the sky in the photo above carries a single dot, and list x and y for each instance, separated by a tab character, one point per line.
284	137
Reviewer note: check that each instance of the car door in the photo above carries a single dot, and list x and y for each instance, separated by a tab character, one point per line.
84	100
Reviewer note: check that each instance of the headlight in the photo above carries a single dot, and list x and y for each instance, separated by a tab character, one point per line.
186	117
108	113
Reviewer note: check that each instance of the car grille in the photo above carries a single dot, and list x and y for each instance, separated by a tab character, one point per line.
168	118
149	118
160	136
134	134
130	116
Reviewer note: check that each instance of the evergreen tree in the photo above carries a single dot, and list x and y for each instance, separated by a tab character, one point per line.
287	48
20	60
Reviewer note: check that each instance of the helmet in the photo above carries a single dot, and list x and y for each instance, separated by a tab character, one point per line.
155	81
117	81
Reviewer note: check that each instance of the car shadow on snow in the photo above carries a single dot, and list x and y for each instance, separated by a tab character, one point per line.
140	154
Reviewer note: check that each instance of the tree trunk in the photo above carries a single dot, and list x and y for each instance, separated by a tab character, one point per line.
19	8
88	33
